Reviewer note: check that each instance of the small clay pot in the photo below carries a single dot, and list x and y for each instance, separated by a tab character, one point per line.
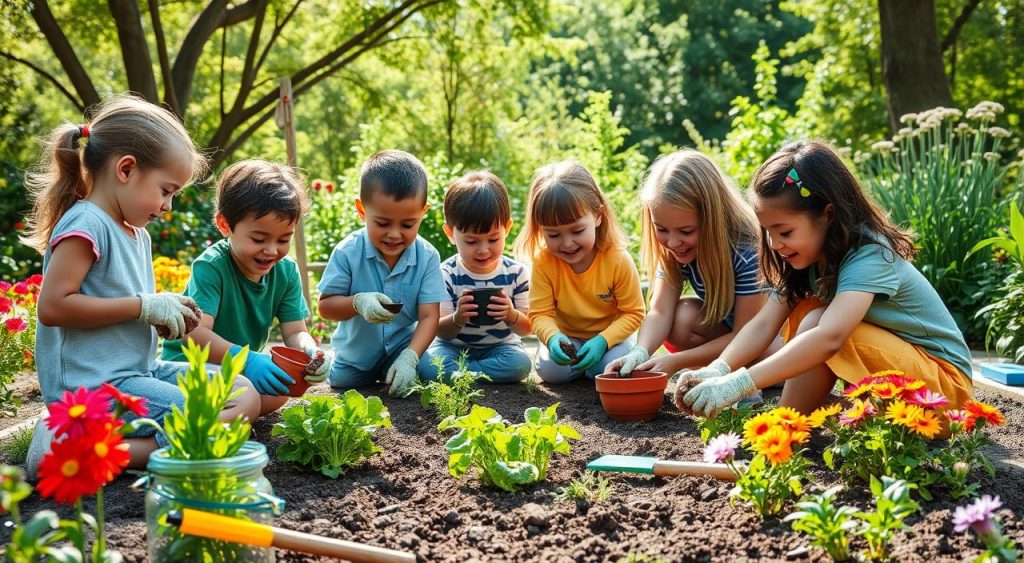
482	298
293	362
637	397
392	307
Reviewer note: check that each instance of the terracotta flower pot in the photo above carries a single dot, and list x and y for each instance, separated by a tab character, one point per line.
293	362
638	397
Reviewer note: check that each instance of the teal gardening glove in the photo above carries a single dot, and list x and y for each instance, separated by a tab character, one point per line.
555	349
266	377
401	376
591	352
713	395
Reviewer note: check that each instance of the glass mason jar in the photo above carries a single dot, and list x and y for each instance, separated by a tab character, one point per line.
232	486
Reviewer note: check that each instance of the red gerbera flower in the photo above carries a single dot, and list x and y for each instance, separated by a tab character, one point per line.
35	279
131	403
5	304
64	473
21	288
16	324
109	453
980	411
74	412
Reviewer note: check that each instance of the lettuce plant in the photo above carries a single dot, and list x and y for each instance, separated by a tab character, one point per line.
331	434
506	455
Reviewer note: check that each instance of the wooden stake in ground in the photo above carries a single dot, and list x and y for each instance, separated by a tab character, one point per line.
225	528
283	118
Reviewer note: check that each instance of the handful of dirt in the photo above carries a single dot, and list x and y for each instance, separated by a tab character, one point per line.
190	325
315	363
570	350
686	383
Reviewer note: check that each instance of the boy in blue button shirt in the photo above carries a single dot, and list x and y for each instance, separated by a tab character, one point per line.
384	263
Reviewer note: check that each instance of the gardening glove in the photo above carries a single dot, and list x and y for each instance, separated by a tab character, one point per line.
320	373
166	310
368	305
715	394
591	352
555	349
625	365
402	374
266	377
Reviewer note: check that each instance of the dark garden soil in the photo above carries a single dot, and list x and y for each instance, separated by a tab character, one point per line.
404	498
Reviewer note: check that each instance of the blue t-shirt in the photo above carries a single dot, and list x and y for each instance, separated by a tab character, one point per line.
745	277
356	266
905	303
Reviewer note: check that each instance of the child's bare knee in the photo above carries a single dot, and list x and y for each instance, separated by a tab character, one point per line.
810	320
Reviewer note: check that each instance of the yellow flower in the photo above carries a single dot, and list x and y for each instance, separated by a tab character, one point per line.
926	425
757	426
775	445
792	419
859	389
901	413
885	390
817	418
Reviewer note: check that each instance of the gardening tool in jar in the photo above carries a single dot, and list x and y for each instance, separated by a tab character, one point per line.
225	528
233	486
656	466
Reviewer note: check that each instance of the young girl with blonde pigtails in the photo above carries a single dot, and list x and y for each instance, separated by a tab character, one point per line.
697	231
585	300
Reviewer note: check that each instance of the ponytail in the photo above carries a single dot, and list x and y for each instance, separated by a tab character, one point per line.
57	184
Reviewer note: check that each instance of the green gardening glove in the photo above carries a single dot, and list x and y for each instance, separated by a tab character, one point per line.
591	352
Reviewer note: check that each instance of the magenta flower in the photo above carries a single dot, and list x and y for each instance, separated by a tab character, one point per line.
978	516
956	416
16	324
927	399
721	448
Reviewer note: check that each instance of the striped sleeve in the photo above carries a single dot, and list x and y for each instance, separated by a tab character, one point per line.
744	265
447	273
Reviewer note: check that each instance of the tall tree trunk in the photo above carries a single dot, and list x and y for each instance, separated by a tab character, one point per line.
138	65
915	79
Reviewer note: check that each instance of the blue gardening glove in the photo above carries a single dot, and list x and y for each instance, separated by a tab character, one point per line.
266	377
713	395
401	375
591	353
555	349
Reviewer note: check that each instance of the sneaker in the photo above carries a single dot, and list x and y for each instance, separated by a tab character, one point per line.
41	438
752	400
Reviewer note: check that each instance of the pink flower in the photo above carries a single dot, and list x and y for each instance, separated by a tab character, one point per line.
76	412
927	399
978	516
860	410
16	324
4	286
5	304
721	448
956	416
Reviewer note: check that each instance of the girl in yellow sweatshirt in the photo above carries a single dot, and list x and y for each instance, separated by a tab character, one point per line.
585	301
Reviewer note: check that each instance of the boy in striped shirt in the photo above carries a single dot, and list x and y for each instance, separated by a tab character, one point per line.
486	327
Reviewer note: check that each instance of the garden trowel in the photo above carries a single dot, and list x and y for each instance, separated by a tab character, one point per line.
655	466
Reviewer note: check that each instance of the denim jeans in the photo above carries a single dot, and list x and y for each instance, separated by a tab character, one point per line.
503	363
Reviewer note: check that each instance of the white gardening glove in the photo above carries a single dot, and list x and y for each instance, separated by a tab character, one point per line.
713	395
717	368
626	364
368	305
401	375
319	374
167	310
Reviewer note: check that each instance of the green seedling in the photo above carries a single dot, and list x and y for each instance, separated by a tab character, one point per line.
826	523
588	486
454	397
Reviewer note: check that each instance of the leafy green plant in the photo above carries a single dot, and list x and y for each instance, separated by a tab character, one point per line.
331	434
826	523
454	396
505	455
940	177
15	449
1005	325
729	420
588	486
768	486
892	505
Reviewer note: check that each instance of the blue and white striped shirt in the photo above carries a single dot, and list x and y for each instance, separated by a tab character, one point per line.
510	275
744	267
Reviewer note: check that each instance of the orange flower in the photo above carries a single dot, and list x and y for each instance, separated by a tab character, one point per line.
977	410
792	419
926	425
775	445
757	426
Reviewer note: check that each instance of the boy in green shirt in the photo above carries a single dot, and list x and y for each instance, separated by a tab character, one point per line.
244	282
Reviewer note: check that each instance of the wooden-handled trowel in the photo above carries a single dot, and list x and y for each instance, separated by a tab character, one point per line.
656	466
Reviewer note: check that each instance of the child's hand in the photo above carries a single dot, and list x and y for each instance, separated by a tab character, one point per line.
401	376
591	352
263	373
558	352
170	313
501	308
625	365
713	395
319	374
465	308
370	306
